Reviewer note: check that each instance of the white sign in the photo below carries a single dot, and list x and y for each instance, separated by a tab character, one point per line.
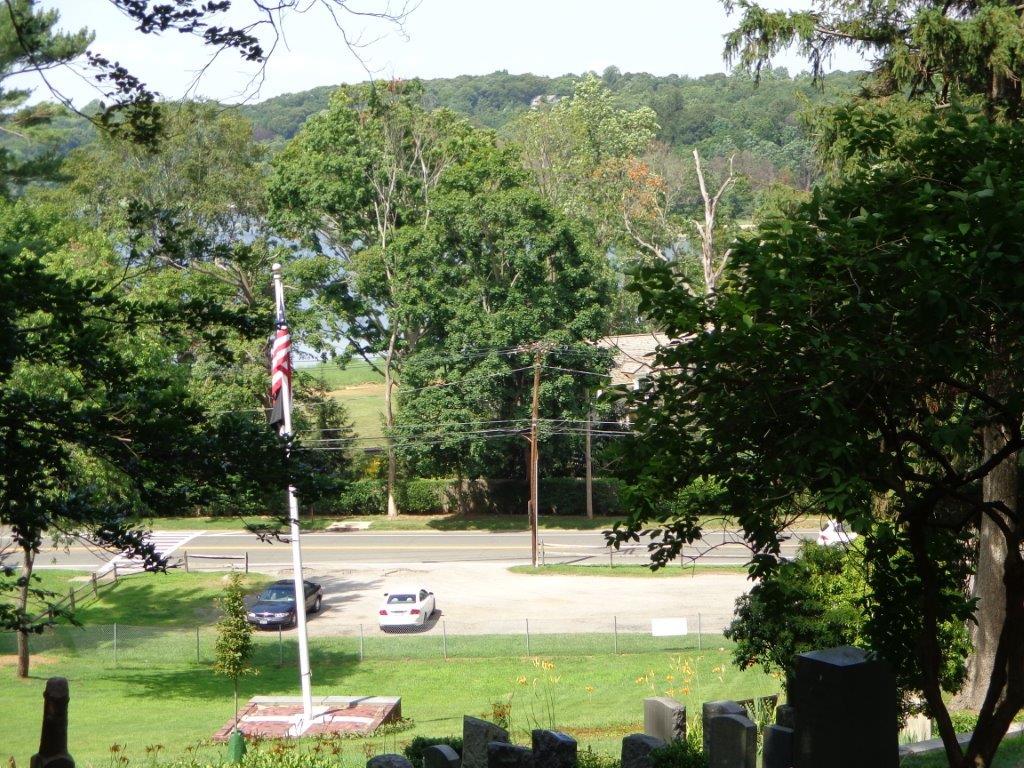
668	627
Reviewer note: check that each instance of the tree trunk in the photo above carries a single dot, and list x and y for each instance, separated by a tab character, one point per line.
28	560
589	469
389	420
989	587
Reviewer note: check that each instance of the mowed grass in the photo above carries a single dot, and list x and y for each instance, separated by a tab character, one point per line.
334	376
628	571
157	693
1010	755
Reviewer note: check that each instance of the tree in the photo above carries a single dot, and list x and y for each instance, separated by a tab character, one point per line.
351	180
938	53
234	648
850	365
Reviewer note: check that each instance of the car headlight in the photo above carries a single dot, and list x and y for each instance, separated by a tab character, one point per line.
250	615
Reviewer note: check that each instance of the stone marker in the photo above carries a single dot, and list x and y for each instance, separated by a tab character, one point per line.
553	749
785	715
777	751
732	742
501	754
711	709
388	761
636	750
440	756
476	735
664	718
53	742
846	710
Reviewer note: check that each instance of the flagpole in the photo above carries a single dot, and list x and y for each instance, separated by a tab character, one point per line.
305	676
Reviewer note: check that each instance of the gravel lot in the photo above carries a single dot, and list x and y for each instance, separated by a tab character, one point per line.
485	598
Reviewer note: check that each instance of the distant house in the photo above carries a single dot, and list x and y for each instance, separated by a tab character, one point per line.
632	355
544	98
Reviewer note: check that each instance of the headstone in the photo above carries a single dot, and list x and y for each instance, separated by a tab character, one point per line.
440	756
732	742
53	742
712	709
636	750
785	715
553	749
664	718
388	761
476	735
777	751
501	754
839	692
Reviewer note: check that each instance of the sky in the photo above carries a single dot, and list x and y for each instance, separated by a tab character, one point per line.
440	38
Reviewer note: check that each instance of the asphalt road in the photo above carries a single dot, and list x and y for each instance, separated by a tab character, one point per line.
338	549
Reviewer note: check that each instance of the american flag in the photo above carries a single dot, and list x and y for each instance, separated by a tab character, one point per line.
280	372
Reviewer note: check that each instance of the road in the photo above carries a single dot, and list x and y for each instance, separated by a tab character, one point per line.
325	550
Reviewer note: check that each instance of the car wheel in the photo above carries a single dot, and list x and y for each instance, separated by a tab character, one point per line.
316	605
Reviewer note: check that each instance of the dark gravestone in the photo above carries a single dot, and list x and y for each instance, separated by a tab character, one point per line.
711	709
636	750
476	735
53	743
553	749
846	711
440	756
501	754
388	761
785	716
733	742
777	751
664	718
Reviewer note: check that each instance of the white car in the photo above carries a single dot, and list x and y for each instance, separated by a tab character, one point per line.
834	533
406	606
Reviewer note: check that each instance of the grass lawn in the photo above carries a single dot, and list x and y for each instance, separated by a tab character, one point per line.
155	692
335	377
1010	755
632	571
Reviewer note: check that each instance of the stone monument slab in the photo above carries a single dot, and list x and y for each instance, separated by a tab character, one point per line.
53	741
636	750
712	709
732	742
777	751
501	754
476	735
553	749
665	718
440	756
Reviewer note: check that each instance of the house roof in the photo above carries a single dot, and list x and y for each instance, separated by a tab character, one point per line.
632	355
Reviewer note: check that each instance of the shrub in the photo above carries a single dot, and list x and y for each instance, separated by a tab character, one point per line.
680	753
363	497
414	750
588	758
424	496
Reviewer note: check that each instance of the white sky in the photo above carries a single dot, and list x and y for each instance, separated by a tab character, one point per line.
442	38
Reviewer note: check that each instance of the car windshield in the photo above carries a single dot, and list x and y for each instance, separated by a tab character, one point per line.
401	599
277	595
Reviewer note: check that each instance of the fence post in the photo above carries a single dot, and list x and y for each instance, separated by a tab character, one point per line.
71	596
198	659
615	630
527	637
95	589
444	638
543	555
114	569
186	561
247	562
611	562
360	642
115	645
700	640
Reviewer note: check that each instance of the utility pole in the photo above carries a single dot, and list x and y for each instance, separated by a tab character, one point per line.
538	353
590	473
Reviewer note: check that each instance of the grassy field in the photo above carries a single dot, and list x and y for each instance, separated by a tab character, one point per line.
1010	755
628	571
155	692
335	377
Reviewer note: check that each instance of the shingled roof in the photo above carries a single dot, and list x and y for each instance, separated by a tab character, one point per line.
632	355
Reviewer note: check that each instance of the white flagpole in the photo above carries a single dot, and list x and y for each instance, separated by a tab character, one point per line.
305	675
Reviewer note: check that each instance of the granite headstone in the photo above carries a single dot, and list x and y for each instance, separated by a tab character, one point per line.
440	756
476	735
388	761
636	750
846	710
53	742
664	718
501	754
712	709
553	749
732	743
777	751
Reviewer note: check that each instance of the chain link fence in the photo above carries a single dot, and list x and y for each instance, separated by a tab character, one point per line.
125	645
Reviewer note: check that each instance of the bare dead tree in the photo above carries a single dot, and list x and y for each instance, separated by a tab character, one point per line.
712	264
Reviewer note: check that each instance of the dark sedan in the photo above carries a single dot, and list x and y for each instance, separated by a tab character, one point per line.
275	605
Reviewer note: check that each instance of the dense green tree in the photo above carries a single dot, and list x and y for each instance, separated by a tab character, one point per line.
234	648
940	54
862	353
